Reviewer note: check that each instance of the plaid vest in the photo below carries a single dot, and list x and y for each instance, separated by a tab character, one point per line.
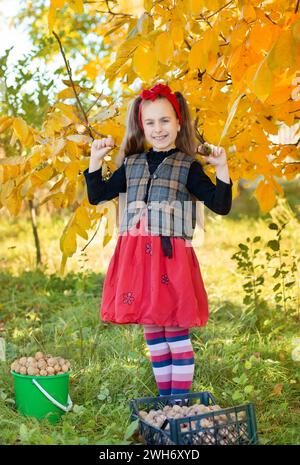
170	208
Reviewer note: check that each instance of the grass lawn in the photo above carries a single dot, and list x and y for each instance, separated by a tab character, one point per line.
240	356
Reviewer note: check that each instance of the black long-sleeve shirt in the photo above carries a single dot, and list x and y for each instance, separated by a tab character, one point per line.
217	197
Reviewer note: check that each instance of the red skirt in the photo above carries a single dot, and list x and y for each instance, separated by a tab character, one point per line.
143	286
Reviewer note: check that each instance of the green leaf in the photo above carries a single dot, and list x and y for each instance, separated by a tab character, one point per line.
131	429
276	274
249	388
273	226
256	239
23	432
274	245
243	247
237	396
248	365
243	378
290	283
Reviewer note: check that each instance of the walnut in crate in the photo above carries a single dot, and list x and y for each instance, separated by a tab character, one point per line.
40	365
222	435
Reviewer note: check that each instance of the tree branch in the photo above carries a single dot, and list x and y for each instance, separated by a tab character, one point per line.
86	122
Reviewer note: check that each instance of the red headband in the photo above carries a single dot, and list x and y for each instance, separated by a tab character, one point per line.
165	91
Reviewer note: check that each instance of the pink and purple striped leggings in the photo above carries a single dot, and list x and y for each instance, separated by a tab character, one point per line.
172	358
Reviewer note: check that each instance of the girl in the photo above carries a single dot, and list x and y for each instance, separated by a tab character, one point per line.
154	277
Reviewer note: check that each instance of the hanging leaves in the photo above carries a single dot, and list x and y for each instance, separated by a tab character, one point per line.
237	64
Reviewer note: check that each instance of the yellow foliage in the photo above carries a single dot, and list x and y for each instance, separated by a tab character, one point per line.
44	174
198	56
263	81
145	62
82	217
21	129
195	7
13	202
266	196
5	123
282	54
71	170
237	65
164	47
68	111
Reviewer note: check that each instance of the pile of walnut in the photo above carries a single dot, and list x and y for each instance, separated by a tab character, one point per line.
157	418
40	365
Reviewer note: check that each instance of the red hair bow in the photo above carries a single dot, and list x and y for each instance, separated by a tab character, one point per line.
165	91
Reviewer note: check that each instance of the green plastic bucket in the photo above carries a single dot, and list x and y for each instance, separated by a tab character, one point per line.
42	396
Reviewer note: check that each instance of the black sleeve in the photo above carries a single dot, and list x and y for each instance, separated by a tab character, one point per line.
217	197
99	189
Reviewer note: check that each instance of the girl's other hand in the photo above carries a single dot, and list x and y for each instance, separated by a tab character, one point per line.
217	156
100	147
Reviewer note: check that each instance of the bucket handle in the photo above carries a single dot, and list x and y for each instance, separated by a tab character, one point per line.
55	402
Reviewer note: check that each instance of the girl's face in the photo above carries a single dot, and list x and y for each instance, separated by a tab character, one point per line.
160	124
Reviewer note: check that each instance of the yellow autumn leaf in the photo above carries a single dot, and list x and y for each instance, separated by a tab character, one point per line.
82	217
80	231
6	189
45	173
198	56
248	13
266	196
164	47
277	187
14	202
230	117
77	6
58	199
68	93
109	210
54	4
262	81
72	150
79	139
282	54
5	123
57	185
296	30
69	111
133	7
177	33
290	171
145	63
148	5
26	186
21	129
68	244
277	390
195	7
71	170
70	192
279	94
57	146
260	37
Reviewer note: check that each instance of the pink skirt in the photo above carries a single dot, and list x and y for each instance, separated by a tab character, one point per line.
142	286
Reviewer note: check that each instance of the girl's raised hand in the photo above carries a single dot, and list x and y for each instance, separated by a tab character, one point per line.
100	147
217	156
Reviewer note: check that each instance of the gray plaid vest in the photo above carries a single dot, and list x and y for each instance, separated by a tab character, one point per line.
170	207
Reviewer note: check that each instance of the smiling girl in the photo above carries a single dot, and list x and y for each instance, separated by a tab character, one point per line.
154	277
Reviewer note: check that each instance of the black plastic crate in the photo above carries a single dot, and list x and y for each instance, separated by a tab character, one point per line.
231	425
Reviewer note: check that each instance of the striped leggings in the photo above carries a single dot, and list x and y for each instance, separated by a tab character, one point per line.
172	358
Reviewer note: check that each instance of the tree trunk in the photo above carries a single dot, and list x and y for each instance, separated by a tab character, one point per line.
33	211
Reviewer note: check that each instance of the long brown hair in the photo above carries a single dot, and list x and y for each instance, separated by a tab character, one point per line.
134	140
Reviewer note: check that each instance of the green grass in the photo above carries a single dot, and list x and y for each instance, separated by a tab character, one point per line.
234	359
